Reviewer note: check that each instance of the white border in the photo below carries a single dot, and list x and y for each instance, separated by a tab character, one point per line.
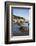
15	38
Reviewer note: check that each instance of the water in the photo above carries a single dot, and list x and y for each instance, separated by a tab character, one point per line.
16	30
16	27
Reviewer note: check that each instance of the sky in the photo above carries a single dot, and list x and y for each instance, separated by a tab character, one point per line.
21	12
